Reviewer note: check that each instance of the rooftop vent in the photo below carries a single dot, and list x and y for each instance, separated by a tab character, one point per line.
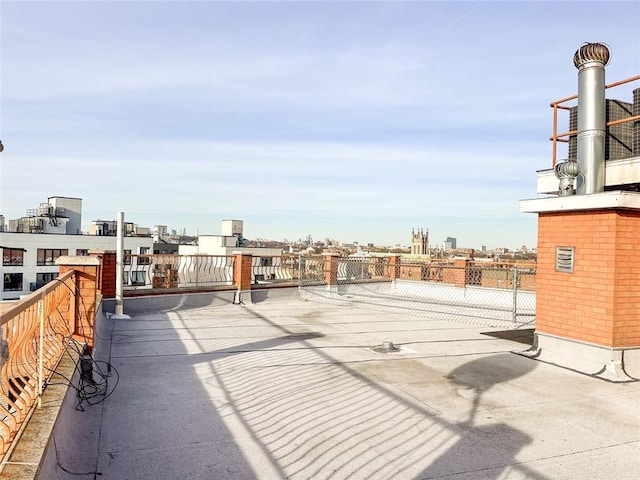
590	60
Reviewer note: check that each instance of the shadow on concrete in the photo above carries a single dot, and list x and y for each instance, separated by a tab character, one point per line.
274	293
524	336
486	451
171	302
346	424
279	407
159	423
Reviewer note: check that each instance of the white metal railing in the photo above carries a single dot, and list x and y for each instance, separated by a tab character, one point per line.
164	271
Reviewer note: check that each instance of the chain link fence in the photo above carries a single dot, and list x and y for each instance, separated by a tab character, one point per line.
497	295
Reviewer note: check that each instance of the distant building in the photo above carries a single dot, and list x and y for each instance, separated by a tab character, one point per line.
159	231
109	228
33	243
230	242
452	242
61	215
419	242
165	248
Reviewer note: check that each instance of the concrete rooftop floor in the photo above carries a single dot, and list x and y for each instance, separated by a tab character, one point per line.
286	389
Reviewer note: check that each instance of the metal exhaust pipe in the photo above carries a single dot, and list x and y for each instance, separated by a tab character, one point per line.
590	60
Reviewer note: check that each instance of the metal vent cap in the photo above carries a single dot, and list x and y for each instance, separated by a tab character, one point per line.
591	52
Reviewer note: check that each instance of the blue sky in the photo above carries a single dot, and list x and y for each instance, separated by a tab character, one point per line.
349	120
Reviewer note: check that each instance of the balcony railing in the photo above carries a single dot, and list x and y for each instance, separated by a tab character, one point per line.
198	272
279	269
147	272
33	337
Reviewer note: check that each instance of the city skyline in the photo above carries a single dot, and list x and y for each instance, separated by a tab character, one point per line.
358	121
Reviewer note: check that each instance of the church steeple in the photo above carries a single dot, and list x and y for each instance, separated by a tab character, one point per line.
419	242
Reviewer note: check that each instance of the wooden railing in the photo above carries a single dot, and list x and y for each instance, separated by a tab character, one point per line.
34	334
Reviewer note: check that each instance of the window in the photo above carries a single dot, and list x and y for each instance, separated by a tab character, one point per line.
42	279
12	282
82	252
48	256
137	277
144	260
45	277
266	262
127	257
12	257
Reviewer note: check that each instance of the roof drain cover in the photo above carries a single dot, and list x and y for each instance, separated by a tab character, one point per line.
386	347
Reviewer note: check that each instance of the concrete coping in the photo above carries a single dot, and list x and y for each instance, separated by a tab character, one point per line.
79	261
594	201
100	251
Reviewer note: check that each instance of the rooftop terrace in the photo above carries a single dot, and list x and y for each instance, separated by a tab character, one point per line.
285	388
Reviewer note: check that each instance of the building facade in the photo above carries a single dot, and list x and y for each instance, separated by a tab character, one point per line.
266	261
32	244
28	259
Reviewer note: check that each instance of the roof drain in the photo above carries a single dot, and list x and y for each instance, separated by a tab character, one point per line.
386	347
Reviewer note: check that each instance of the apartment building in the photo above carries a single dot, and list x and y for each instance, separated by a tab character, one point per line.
33	243
230	241
266	262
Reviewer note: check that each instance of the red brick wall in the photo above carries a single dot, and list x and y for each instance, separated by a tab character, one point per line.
460	272
242	268
412	271
393	267
626	307
107	272
330	268
597	303
85	306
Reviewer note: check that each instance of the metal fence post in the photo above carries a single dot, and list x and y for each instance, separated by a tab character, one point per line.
514	312
40	352
120	264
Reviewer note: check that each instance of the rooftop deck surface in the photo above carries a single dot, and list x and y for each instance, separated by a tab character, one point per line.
286	389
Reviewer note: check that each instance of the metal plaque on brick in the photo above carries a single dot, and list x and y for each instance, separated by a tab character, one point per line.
564	259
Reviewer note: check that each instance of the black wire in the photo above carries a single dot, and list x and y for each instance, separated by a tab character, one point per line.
88	389
66	470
